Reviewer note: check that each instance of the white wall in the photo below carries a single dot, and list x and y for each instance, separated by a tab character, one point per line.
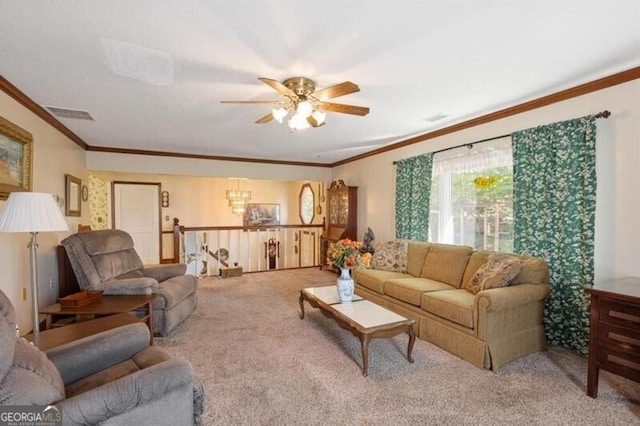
617	242
53	156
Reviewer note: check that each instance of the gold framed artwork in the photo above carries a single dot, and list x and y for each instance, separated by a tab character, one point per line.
72	204
16	160
261	215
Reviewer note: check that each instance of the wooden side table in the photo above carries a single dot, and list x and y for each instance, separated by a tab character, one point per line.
107	305
615	331
58	336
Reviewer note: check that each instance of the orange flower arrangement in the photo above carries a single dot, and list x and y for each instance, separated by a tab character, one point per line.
346	254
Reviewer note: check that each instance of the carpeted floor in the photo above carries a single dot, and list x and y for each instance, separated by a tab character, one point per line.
262	365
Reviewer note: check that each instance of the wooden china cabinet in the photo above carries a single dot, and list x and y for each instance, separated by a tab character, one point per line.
342	216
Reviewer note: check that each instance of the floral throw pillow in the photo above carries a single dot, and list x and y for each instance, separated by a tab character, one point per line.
497	271
391	256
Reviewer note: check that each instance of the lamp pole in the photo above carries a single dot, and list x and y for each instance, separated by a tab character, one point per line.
33	245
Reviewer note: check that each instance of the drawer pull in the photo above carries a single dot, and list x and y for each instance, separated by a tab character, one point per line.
623	316
624	339
624	362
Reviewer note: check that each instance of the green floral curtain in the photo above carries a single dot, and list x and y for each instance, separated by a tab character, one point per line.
413	186
554	209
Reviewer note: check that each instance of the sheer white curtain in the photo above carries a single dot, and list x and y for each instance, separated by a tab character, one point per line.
453	198
480	157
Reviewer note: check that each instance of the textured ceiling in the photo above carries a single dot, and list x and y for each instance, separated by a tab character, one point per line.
152	74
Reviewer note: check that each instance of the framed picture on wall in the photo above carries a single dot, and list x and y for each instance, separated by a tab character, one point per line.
73	185
261	215
15	159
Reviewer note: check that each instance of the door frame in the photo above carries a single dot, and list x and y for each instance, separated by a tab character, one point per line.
113	207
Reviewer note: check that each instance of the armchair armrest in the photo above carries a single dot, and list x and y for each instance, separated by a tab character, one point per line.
165	271
498	299
130	286
91	354
127	393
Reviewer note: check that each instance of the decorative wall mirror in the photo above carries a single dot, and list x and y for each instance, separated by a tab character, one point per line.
73	206
307	203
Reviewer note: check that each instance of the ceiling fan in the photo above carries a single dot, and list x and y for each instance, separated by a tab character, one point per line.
307	105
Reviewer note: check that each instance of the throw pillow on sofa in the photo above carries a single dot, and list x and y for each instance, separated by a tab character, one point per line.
390	256
497	271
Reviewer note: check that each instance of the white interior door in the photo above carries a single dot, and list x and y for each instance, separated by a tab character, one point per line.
307	248
136	210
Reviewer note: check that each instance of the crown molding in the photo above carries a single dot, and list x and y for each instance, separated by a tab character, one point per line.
583	89
28	103
593	86
202	157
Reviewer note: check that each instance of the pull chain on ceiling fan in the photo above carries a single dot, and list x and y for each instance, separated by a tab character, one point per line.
307	106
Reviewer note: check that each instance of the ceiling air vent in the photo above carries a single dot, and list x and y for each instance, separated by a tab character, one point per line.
69	113
436	117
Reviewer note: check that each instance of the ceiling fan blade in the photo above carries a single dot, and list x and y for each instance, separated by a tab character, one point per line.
314	122
335	91
278	101
267	118
279	87
345	109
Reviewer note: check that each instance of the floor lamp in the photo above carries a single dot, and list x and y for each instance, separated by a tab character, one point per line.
32	212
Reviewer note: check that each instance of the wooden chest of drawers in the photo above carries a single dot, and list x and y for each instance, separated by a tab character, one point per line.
615	331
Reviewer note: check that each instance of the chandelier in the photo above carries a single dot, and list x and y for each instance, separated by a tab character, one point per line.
238	199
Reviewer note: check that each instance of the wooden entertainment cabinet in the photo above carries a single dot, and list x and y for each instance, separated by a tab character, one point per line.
342	216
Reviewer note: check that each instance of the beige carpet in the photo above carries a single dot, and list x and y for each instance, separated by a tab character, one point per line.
262	365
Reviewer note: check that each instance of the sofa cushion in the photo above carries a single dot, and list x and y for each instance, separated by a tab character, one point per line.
373	279
105	241
112	265
32	378
8	334
453	305
497	271
446	263
416	252
143	359
410	289
174	290
390	256
7	345
477	259
534	271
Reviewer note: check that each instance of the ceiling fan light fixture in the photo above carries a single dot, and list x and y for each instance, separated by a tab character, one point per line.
304	108
307	105
319	116
279	114
298	122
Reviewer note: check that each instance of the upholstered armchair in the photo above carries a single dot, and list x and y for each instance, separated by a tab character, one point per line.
113	377
106	260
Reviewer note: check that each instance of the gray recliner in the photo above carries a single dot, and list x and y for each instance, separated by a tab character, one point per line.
106	260
110	378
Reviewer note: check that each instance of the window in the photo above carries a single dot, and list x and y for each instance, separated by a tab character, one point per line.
307	204
472	196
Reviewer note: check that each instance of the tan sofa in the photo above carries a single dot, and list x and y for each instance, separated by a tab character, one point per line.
489	328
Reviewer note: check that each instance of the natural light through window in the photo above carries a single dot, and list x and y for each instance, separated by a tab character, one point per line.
472	196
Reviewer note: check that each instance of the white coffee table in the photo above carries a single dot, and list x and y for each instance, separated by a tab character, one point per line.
363	318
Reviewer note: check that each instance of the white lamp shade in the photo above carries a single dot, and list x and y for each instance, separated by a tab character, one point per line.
31	212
